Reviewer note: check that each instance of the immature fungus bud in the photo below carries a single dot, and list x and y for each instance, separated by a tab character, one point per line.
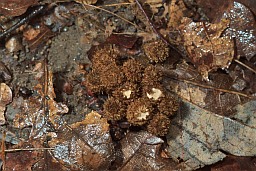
133	70
93	82
156	51
111	76
114	109
103	57
139	112
168	105
152	75
159	125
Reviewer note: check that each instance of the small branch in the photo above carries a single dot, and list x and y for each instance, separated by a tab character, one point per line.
239	62
24	20
102	9
214	88
157	32
28	149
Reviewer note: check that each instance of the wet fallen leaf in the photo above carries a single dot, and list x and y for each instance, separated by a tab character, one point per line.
205	46
41	111
85	145
126	41
217	95
199	137
142	147
242	28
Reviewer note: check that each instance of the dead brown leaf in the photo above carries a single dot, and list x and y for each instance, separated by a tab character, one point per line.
85	145
21	160
141	151
242	28
214	9
176	13
217	95
205	46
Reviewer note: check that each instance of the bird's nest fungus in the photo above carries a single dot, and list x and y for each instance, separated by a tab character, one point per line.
135	91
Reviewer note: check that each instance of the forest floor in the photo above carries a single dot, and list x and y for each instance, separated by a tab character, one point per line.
128	85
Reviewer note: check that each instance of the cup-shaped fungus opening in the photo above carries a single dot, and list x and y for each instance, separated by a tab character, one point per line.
139	112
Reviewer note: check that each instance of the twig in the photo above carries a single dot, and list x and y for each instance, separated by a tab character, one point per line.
156	31
36	11
93	6
118	4
214	88
239	62
27	149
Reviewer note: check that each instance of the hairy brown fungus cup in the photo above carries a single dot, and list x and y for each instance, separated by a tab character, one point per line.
111	77
156	51
93	82
152	75
114	109
139	112
103	57
168	105
133	70
159	125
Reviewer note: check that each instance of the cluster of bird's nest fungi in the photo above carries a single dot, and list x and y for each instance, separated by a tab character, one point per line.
135	88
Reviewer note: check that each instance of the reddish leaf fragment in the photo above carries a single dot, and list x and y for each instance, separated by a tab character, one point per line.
126	41
15	7
21	160
235	164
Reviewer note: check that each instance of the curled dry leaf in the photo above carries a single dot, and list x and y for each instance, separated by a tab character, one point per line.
205	46
198	137
5	98
86	145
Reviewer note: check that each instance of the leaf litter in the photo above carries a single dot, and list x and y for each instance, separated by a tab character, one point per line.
111	85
